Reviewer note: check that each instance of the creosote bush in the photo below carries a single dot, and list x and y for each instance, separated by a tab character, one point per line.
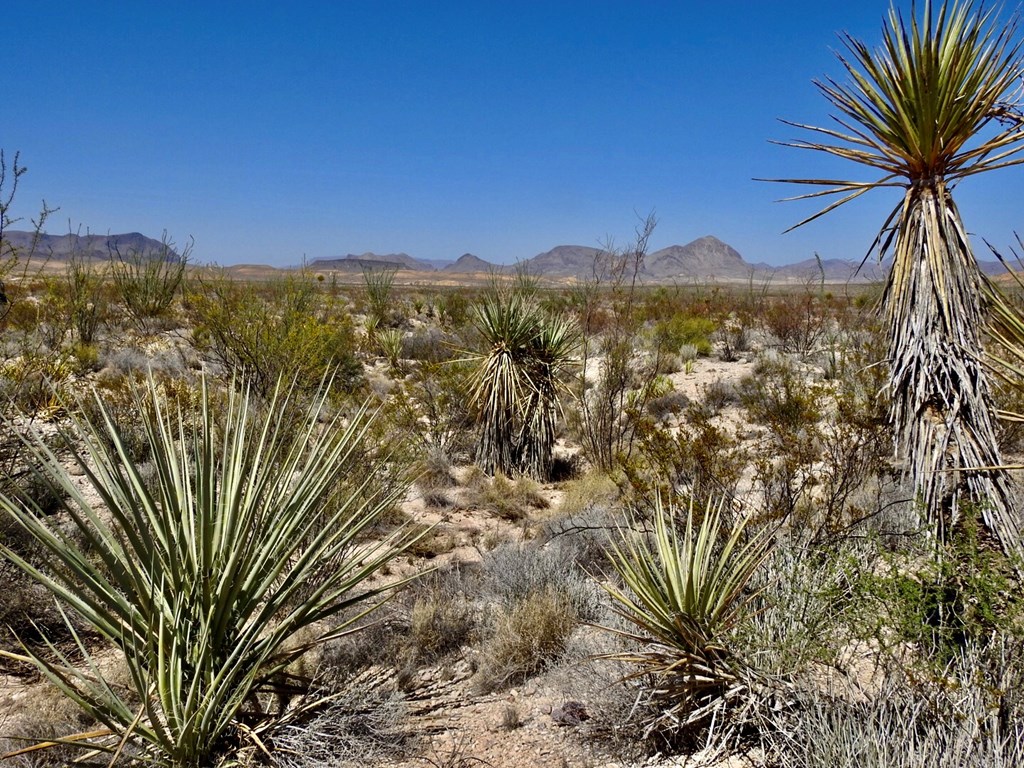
285	329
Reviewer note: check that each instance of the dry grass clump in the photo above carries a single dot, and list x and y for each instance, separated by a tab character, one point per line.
508	499
527	636
442	618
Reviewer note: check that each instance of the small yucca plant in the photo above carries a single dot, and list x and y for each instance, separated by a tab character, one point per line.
684	592
213	576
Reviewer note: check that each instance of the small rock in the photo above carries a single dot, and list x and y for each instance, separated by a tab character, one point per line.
571	713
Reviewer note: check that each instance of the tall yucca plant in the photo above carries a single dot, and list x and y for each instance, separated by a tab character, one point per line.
924	110
500	383
516	382
551	355
211	577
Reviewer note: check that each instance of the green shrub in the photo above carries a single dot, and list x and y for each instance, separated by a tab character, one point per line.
680	330
283	330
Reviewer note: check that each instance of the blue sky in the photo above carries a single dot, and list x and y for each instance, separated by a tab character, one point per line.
271	132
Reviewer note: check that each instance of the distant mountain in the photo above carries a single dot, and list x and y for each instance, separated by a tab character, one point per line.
706	257
467	262
835	270
381	261
90	247
564	261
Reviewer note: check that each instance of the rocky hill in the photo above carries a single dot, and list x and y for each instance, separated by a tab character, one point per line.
63	247
704	258
380	261
564	261
467	262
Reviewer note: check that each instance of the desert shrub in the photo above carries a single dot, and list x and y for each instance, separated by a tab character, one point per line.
806	599
434	470
670	403
506	498
84	298
363	723
282	330
37	383
432	406
528	636
719	393
243	538
453	309
442	617
960	596
612	325
428	344
797	321
778	395
969	716
700	459
147	282
511	573
679	330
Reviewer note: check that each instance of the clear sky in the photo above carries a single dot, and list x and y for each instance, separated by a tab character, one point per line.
275	131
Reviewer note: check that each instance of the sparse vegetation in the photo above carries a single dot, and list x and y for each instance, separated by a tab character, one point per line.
211	481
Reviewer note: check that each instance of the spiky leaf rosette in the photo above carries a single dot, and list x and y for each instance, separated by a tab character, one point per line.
516	382
500	387
683	594
935	104
214	575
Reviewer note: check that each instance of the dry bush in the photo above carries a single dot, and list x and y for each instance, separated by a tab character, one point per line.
508	499
527	637
669	404
362	724
971	716
442	618
512	573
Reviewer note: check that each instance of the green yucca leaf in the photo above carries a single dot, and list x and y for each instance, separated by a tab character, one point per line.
249	536
683	592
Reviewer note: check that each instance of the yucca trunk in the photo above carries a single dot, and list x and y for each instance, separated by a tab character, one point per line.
941	402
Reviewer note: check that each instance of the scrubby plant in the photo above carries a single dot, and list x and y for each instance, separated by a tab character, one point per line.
15	260
212	577
283	329
683	593
968	716
528	635
679	330
147	282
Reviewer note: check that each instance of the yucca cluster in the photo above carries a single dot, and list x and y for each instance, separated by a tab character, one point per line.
517	381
